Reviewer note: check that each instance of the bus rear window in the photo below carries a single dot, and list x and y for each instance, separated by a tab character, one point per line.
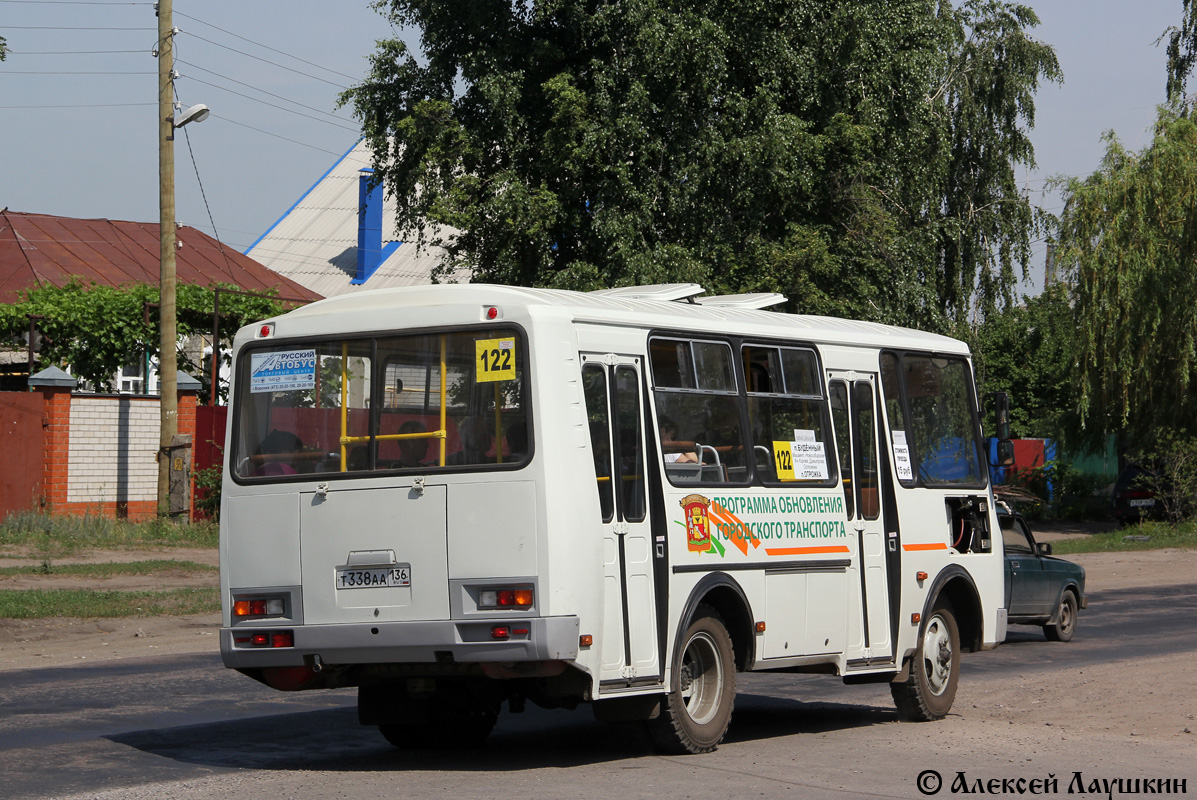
407	403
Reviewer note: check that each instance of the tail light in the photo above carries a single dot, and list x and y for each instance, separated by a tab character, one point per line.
251	607
266	639
507	597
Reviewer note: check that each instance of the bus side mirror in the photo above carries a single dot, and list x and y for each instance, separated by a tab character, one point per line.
1005	453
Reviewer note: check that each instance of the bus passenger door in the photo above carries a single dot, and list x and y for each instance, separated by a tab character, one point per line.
855	417
613	387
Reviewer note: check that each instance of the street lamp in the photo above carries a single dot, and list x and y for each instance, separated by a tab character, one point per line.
168	328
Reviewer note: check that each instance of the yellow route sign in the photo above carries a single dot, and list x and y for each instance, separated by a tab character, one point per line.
494	360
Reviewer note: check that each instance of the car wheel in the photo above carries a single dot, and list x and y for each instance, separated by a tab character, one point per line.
696	712
1065	625
929	689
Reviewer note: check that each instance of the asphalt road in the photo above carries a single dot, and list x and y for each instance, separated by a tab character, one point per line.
141	723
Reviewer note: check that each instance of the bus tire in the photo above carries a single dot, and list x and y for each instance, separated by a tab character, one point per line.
929	689
698	708
451	721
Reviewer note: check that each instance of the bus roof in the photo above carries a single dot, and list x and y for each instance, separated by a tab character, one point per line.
626	308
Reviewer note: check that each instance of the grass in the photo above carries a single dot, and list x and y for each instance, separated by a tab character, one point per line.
64	535
1148	536
107	569
91	604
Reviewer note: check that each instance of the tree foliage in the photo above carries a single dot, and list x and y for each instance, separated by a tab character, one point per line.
1182	52
97	329
857	156
1128	238
1027	351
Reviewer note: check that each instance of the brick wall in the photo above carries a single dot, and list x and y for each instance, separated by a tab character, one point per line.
100	452
111	455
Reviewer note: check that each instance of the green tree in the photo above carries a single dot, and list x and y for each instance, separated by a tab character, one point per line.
1182	51
1027	350
1128	239
98	329
857	156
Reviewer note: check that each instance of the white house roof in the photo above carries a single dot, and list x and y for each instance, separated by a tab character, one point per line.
315	242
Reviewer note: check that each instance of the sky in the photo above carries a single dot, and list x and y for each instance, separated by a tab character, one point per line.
79	137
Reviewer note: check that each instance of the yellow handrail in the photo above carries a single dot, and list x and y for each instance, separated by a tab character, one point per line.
345	439
498	428
443	429
344	405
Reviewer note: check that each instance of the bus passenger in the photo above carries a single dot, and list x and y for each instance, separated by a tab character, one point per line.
476	437
412	451
673	448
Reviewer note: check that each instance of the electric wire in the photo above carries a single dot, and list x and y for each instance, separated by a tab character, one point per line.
72	28
85	105
69	52
261	102
71	3
263	46
275	135
64	72
263	91
266	60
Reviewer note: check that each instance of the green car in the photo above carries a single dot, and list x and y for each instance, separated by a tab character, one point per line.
1040	590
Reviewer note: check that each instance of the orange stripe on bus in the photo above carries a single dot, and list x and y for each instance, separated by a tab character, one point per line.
801	551
729	518
932	546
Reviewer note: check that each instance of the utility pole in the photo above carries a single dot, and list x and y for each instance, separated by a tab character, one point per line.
167	364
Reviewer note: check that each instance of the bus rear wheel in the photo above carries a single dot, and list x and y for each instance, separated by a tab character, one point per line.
454	718
929	689
696	712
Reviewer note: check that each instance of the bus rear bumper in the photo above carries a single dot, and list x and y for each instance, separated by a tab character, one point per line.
436	641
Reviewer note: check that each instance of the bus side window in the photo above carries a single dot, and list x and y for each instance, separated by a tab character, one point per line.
694	388
631	449
838	391
866	448
594	388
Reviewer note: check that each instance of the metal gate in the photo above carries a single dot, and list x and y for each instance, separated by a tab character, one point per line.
21	451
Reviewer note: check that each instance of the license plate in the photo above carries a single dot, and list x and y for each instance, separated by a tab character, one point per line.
1148	503
374	577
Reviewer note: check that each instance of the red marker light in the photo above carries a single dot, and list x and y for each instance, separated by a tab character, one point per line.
500	632
259	639
282	639
492	313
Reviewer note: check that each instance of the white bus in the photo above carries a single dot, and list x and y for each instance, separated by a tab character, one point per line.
453	497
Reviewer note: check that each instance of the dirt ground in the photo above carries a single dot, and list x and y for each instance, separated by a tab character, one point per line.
30	643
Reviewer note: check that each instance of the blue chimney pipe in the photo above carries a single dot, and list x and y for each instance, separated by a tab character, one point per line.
369	226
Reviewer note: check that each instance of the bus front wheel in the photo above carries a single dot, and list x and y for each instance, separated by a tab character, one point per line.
696	712
929	689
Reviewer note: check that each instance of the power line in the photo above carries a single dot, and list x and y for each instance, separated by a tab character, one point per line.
263	91
272	105
266	60
69	52
70	28
87	105
88	72
71	3
263	46
276	136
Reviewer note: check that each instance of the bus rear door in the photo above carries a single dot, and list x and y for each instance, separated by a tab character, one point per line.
613	387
